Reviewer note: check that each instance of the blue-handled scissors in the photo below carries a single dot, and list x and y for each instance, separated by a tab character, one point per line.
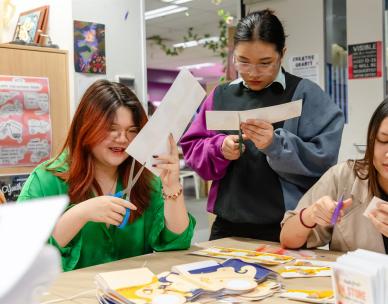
126	193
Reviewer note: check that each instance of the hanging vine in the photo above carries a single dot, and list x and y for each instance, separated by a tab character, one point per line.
219	47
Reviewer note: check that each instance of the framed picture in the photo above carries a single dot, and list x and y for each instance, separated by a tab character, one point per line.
31	24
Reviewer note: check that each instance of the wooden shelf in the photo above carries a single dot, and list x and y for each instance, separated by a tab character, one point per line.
22	60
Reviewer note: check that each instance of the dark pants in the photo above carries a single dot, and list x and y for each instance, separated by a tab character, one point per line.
222	228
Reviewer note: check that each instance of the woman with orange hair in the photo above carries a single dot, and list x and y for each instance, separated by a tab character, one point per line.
91	166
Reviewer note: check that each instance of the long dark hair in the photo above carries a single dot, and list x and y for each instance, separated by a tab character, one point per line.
90	126
261	25
364	168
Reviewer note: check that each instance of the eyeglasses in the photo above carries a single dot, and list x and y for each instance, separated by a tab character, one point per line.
260	68
129	134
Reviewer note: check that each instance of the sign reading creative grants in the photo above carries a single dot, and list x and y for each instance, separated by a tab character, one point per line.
25	127
365	60
306	66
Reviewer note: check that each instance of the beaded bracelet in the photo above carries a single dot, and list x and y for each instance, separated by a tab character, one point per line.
301	220
173	196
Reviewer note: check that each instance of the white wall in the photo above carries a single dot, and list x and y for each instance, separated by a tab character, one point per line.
364	24
59	19
59	28
125	39
304	25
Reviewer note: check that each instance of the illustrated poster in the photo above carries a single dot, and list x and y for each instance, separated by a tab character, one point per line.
25	126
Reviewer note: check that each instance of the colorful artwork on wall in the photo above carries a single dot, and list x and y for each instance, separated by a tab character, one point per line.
89	47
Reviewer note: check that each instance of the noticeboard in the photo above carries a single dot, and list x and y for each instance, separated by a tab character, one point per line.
365	60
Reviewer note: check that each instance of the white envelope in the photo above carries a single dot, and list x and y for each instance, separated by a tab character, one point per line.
172	116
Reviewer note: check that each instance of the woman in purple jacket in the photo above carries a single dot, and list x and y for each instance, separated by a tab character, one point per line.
251	191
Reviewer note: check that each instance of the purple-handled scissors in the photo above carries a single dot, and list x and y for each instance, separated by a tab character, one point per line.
337	210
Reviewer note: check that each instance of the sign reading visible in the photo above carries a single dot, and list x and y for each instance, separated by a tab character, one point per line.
365	60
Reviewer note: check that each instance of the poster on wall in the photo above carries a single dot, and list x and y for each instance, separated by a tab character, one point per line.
305	67
89	47
11	186
365	60
25	126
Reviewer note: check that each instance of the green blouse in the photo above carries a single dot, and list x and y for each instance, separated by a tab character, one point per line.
97	244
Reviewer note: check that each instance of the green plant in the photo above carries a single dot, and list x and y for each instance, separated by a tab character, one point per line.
219	48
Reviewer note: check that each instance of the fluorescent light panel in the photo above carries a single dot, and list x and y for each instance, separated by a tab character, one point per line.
197	66
181	1
167	10
176	1
196	42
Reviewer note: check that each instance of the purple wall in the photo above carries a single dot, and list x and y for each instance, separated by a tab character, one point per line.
159	81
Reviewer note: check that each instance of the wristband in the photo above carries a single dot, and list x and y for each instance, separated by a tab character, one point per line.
301	220
172	196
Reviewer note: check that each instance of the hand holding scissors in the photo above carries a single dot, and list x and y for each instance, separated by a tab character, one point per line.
126	193
233	145
323	211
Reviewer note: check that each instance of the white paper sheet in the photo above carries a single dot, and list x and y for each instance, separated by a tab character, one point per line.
172	116
373	205
24	229
228	120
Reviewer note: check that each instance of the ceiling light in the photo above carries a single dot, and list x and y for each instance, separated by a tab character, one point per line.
176	1
196	42
167	10
197	66
181	1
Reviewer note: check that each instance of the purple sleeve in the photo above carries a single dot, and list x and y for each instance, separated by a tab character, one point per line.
202	148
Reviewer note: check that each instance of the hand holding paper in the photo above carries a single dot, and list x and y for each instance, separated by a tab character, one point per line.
169	166
377	212
373	205
259	132
229	120
172	116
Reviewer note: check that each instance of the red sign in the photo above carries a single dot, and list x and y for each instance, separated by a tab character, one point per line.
365	60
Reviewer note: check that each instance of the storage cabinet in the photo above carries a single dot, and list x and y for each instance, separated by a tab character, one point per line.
17	60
